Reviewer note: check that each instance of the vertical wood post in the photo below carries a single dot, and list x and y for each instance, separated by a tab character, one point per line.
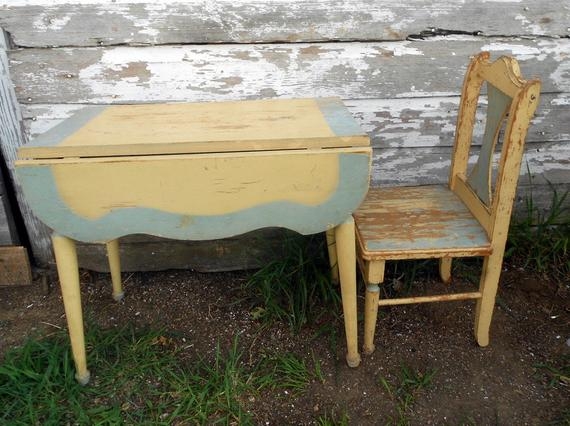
12	136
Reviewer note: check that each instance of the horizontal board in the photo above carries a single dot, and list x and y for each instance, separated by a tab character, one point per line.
229	72
393	123
203	127
421	166
112	22
146	253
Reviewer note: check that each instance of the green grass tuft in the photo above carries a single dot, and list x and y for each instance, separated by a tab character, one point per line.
138	377
540	239
296	288
410	383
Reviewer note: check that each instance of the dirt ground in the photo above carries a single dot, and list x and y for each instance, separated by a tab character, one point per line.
501	384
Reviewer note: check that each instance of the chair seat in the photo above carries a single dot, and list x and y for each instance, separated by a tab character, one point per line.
417	222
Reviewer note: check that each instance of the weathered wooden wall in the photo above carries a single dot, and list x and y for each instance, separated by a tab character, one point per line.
397	65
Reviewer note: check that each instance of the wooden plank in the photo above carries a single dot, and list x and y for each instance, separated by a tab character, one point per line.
146	253
422	166
11	137
14	266
393	123
231	72
42	23
182	128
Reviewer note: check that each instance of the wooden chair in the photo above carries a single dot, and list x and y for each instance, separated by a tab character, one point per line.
467	217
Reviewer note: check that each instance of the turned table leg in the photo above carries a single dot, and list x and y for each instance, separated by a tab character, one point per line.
68	271
346	258
115	268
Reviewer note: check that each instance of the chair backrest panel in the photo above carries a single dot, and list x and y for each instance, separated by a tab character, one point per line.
511	104
480	177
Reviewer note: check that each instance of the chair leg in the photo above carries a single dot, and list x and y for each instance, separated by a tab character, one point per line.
67	269
445	269
115	268
488	288
331	246
346	255
374	275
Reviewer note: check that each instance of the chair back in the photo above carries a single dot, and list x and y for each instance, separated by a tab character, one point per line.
489	188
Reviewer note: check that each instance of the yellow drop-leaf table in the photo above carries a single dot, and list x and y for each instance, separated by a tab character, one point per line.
197	171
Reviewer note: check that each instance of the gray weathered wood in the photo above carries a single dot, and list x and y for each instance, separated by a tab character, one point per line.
391	123
222	72
547	162
111	22
11	137
146	253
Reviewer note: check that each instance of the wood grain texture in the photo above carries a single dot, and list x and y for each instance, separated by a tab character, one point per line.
14	266
13	136
182	128
234	72
417	222
390	123
108	22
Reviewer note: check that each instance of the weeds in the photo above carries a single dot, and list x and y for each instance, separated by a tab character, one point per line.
333	420
410	382
558	374
297	287
540	240
140	377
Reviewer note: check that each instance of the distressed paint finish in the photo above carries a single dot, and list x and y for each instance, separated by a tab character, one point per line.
148	209
12	136
235	72
480	175
453	221
402	91
284	155
402	220
179	128
108	22
390	123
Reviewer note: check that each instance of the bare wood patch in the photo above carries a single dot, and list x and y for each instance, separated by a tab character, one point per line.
229	72
14	266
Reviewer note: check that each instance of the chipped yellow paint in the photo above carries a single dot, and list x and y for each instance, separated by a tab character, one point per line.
160	124
213	185
445	222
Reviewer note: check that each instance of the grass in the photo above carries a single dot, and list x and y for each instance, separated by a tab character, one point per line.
140	377
410	382
540	239
558	373
296	288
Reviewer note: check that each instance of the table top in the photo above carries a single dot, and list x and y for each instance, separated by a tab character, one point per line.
187	128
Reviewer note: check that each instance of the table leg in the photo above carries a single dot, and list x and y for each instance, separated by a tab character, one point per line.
346	257
68	271
115	268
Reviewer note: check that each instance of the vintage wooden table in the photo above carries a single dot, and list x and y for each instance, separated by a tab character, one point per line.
195	172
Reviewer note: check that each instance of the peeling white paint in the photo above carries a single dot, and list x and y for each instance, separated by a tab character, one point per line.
45	21
521	51
533	28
